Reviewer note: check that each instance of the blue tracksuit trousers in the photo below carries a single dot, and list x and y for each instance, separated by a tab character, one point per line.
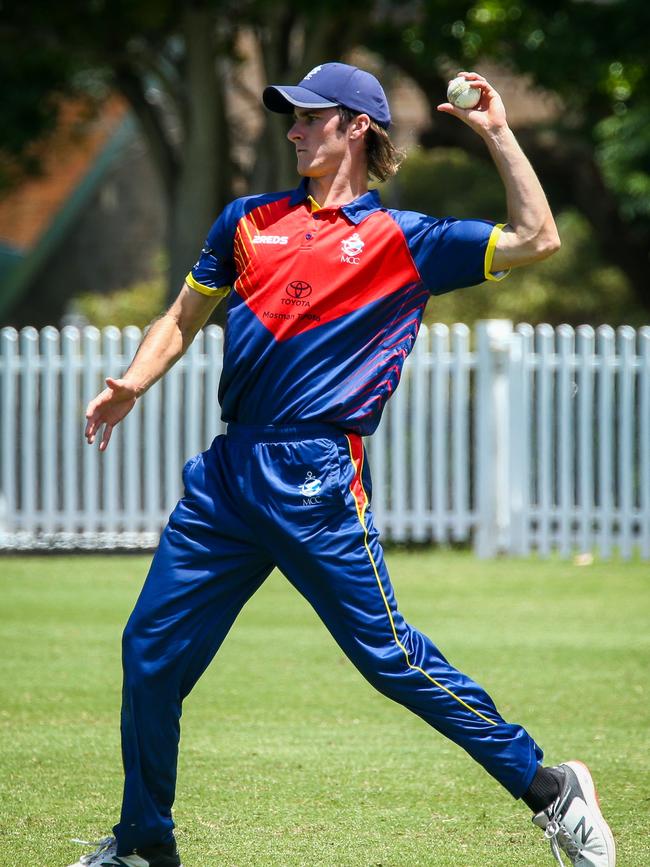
296	498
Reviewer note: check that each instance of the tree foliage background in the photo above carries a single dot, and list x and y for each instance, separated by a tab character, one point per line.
185	70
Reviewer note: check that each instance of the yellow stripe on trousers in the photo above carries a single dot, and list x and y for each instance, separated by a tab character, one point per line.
361	511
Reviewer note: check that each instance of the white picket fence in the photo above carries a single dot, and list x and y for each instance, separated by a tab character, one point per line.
519	441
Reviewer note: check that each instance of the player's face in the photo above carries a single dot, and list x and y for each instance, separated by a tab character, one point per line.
321	145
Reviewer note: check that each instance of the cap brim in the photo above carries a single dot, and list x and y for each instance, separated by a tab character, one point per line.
285	99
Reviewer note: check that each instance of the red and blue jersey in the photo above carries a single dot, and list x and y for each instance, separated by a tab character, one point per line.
324	304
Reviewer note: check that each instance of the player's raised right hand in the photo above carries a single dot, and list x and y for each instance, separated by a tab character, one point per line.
489	116
108	409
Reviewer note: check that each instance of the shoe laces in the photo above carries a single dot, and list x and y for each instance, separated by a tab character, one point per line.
558	838
102	848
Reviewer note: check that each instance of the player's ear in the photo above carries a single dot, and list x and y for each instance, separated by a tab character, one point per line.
359	126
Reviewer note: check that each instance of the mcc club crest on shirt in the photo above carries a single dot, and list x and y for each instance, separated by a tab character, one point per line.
351	249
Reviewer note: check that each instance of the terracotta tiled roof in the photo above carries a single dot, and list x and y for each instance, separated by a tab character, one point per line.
65	157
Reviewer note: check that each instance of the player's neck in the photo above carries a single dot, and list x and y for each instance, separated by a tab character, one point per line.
332	191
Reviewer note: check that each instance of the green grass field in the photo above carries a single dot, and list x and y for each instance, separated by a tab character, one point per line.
288	757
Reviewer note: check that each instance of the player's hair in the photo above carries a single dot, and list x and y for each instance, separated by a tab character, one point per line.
384	157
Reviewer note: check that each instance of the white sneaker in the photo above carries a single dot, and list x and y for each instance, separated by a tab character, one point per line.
574	823
106	848
105	855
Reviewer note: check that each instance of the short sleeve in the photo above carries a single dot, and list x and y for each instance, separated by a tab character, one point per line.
214	273
450	253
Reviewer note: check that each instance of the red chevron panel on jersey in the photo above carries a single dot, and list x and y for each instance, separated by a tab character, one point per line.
298	270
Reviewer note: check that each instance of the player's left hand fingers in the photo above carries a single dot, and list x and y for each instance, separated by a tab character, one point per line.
106	435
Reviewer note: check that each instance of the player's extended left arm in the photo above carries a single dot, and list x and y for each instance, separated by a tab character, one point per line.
531	233
166	340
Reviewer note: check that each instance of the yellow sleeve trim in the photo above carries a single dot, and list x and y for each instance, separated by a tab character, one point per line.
489	255
221	292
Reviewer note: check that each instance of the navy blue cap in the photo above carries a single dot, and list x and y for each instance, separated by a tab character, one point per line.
329	85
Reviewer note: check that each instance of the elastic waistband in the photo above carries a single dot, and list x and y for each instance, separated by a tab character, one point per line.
282	432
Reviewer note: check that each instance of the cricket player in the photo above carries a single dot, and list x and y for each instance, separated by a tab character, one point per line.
325	290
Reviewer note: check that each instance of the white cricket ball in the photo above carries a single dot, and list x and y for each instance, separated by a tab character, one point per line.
461	93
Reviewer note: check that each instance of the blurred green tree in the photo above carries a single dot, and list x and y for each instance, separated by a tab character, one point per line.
177	63
595	156
575	286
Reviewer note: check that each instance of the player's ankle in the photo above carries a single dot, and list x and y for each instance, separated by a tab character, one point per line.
543	790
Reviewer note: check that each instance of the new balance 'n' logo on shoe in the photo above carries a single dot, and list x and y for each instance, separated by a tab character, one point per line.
574	823
105	855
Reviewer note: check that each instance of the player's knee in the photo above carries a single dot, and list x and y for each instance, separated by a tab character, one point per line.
133	647
383	673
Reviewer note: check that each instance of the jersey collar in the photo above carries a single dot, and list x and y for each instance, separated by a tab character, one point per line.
356	210
361	207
